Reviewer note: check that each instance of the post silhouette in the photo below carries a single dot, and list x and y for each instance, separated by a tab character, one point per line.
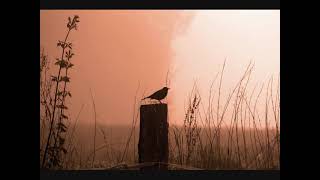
153	136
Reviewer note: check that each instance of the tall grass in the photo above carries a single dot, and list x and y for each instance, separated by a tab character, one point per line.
240	135
230	135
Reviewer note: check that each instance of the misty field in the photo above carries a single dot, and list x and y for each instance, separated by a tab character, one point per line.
112	142
240	130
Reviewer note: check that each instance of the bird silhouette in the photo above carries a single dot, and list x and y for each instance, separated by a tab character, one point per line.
159	95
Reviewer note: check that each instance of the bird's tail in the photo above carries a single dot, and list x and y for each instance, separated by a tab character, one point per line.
144	98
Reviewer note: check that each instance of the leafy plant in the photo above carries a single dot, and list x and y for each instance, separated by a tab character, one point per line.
54	148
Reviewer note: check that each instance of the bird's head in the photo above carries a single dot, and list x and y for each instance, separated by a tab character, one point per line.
166	88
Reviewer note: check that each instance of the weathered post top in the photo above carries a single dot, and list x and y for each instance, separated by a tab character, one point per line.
153	137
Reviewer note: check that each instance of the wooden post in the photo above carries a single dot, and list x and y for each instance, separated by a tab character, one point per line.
153	137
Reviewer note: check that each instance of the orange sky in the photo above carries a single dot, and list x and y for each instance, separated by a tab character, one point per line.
115	50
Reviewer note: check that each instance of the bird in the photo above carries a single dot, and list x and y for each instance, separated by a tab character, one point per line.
159	95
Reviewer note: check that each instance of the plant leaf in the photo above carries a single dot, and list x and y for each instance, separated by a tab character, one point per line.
64	150
62	63
70	65
64	116
54	78
65	79
61	140
61	127
59	93
61	106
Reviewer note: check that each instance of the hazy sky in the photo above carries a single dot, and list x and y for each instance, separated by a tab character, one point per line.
115	50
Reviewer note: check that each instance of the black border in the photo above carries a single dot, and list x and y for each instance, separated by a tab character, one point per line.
158	4
219	174
155	4
20	89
